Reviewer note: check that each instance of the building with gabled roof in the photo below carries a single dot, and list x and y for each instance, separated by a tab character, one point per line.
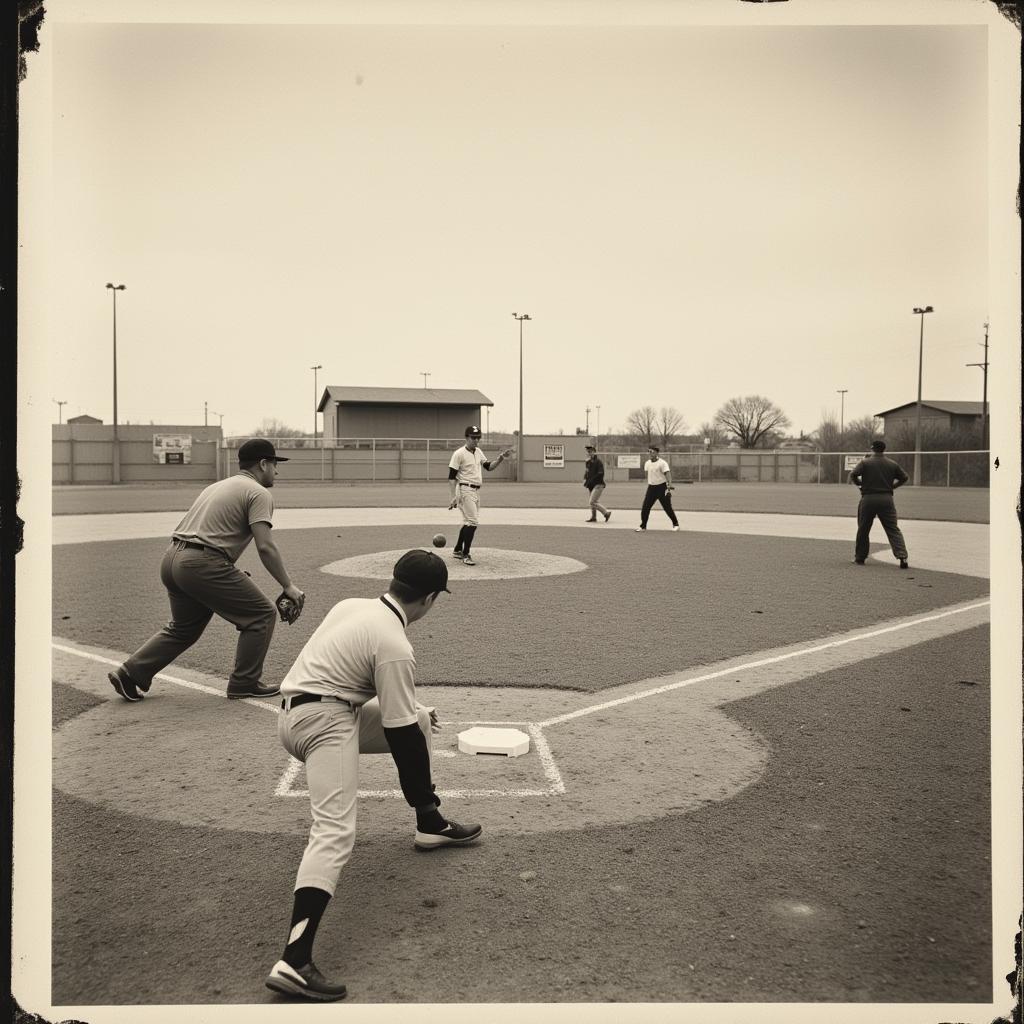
942	414
353	412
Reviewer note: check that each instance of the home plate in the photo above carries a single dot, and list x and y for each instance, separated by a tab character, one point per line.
478	740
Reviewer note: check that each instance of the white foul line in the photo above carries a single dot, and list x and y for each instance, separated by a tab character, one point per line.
757	664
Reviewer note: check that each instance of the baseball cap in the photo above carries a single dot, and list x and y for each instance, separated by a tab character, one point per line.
423	571
258	448
590	448
653	448
878	446
473	430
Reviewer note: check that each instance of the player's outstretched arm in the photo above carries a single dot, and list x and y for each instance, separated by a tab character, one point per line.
274	563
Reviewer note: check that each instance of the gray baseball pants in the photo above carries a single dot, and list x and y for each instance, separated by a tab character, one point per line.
328	736
884	507
200	582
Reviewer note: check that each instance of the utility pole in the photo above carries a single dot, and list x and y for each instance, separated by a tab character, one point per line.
597	435
116	474
424	376
842	402
587	428
318	366
205	417
984	393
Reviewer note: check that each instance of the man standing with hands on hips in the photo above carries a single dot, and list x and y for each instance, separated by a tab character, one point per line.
352	691
464	482
659	487
877	477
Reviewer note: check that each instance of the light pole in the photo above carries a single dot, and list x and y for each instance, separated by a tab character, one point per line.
519	452
60	411
841	392
116	475
597	435
424	376
984	394
587	427
919	311
221	415
315	401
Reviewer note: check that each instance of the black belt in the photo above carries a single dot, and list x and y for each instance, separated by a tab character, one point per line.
311	698
196	544
476	487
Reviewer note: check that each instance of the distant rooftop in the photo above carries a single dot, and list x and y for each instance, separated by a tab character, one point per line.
954	408
403	396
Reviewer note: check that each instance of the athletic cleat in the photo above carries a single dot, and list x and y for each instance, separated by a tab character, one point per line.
592	519
124	684
640	529
259	690
675	529
466	560
453	835
459	555
904	564
607	516
306	982
858	561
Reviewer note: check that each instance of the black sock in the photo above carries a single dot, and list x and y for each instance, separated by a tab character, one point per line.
468	542
461	540
310	904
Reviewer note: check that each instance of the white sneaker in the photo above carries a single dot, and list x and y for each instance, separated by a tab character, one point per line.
675	529
640	529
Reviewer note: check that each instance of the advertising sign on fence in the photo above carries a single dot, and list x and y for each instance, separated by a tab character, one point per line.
554	456
628	461
850	461
171	449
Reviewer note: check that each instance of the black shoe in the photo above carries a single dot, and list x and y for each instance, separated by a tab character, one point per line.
451	836
858	561
904	564
592	519
125	685
259	690
306	982
459	555
607	516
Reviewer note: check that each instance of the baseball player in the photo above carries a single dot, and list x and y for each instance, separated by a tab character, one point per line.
201	578
464	482
878	476
352	690
593	480
659	488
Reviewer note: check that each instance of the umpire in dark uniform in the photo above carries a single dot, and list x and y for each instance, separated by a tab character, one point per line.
878	476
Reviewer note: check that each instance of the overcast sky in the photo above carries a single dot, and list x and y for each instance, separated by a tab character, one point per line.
687	213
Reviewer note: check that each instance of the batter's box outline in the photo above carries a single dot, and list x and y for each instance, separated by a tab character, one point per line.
556	787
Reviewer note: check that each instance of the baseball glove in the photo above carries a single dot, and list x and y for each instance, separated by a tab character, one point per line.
288	609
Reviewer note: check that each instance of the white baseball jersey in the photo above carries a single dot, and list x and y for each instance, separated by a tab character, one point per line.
467	465
358	652
656	471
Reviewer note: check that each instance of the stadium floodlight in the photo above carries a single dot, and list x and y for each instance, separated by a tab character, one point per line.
116	470
519	451
919	311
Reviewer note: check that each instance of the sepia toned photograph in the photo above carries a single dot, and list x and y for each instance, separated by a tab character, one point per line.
525	499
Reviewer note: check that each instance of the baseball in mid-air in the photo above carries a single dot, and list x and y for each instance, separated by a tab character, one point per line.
440	540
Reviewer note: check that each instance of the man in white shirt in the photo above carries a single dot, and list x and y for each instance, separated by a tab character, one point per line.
659	487
352	691
464	482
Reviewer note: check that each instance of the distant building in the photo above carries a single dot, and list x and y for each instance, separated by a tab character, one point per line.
400	412
84	418
945	415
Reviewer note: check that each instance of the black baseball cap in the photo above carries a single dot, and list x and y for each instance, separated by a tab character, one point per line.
258	448
423	571
653	448
473	430
878	446
590	448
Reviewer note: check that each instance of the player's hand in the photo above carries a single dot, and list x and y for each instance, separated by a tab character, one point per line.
453	503
508	453
294	594
435	722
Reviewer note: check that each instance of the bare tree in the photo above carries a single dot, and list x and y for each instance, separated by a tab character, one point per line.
670	424
642	424
272	428
713	432
753	420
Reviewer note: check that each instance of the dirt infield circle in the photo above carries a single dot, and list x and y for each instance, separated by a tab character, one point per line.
491	564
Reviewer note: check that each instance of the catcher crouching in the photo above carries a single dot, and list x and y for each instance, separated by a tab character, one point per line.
199	573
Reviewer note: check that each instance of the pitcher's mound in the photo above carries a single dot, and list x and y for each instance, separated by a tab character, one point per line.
491	564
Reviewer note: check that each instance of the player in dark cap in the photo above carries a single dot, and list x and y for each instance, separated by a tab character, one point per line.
464	482
593	480
352	691
201	578
878	476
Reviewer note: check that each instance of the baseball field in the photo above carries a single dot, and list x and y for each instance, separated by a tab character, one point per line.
757	774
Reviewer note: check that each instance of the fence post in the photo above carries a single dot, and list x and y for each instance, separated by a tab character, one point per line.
948	454
428	458
817	466
373	459
401	460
